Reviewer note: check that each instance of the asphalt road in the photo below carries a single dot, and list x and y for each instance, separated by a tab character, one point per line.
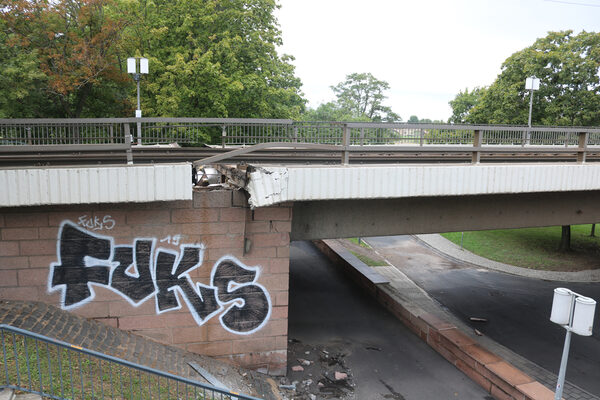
387	361
517	308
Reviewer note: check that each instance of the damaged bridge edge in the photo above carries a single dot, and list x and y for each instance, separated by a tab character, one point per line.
265	187
495	375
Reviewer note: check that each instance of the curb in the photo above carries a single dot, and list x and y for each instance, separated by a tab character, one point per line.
492	373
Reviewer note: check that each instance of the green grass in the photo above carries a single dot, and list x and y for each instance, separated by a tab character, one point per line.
535	248
67	373
369	261
361	244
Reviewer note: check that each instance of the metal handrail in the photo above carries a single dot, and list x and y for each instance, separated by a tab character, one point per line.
117	133
59	370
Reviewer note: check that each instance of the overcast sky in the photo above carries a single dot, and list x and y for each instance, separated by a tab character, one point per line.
427	50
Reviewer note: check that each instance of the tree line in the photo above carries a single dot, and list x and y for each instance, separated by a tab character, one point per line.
213	58
567	66
218	58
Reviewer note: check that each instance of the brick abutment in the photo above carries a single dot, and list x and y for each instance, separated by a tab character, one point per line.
208	275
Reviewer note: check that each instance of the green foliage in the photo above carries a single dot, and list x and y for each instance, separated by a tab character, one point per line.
567	66
62	54
463	103
71	374
416	120
362	95
359	99
214	58
331	111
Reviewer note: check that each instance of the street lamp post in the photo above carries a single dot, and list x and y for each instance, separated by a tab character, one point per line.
575	313
132	69
532	83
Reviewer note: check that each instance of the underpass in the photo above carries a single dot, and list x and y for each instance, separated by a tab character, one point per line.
385	359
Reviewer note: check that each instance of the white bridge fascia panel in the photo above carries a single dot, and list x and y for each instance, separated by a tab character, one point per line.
270	185
98	184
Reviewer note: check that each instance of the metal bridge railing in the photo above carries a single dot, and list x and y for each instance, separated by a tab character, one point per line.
53	369
232	132
117	134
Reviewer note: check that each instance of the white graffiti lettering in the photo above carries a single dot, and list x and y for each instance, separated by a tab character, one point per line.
95	223
174	240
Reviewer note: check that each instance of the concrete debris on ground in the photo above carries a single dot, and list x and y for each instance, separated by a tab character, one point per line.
322	374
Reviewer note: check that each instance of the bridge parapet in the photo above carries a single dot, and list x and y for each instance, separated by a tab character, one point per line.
52	135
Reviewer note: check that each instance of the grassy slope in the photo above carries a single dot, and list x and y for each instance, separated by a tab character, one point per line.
535	248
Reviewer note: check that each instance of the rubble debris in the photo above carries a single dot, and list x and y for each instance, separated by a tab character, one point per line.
297	368
339	376
478	319
321	365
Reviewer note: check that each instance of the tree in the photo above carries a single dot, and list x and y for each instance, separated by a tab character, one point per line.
213	59
463	103
331	111
66	49
567	66
565	239
416	120
362	95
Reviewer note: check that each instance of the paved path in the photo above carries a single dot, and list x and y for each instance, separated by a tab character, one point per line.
386	360
450	250
517	309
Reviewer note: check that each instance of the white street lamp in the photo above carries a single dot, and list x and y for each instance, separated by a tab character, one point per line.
132	69
532	83
575	313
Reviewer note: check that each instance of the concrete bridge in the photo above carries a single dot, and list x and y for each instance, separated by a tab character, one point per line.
206	268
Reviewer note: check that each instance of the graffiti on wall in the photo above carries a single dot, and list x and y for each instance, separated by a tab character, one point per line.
96	223
144	271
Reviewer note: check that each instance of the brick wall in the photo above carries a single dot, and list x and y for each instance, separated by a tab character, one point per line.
218	224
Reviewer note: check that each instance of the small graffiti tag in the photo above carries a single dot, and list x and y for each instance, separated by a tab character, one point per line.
96	223
140	271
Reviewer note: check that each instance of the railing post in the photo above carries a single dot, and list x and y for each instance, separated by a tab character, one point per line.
295	133
582	150
223	135
421	137
139	133
128	143
476	156
345	145
362	136
28	129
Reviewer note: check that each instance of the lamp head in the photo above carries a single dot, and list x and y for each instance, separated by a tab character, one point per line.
131	65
